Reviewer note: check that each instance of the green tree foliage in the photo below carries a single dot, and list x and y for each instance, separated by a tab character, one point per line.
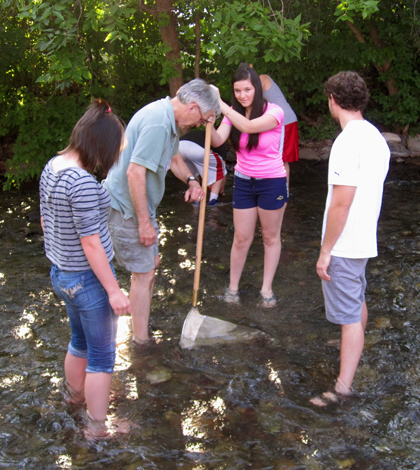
379	39
57	54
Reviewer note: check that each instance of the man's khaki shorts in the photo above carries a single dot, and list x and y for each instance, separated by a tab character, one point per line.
128	250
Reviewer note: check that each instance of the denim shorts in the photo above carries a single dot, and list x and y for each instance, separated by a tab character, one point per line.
266	193
129	252
92	320
344	293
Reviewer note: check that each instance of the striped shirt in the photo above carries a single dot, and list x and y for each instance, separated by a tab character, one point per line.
73	205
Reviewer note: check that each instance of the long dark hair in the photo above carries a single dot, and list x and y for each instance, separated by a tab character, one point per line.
258	106
97	137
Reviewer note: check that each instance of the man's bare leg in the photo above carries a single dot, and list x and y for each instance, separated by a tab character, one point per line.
352	343
141	292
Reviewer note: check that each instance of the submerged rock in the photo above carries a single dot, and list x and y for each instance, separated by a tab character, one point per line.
159	375
348	463
382	323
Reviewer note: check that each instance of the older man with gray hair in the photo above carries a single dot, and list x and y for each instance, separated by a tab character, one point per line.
137	184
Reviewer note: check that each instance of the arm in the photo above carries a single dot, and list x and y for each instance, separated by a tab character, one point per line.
243	124
265	82
136	175
338	212
182	172
99	263
254	126
221	135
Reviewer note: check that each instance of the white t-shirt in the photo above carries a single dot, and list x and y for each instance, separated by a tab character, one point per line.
359	157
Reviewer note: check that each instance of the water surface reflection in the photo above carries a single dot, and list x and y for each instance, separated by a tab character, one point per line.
227	406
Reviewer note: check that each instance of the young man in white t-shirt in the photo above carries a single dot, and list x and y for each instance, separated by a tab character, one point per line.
357	170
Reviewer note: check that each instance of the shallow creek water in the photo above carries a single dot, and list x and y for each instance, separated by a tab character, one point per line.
229	405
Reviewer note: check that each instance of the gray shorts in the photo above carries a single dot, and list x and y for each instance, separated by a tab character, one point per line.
128	250
345	292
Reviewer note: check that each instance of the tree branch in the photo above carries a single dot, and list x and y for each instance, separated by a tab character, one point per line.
356	31
142	6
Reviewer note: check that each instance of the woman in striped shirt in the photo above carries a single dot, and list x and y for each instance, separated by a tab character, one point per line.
74	208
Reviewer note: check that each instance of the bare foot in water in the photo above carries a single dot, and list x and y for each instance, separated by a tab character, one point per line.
96	429
70	395
326	398
340	389
318	402
99	429
122	426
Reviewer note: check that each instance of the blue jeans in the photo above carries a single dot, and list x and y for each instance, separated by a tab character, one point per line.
92	320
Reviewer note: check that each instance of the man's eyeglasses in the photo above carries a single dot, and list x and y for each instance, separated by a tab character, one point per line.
201	115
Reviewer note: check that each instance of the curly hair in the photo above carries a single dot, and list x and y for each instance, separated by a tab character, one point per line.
349	91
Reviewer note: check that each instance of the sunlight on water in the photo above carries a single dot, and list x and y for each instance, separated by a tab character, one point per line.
24	331
131	388
187	264
230	405
191	419
157	335
218	405
8	382
197	447
124	329
123	358
64	461
164	233
274	376
187	229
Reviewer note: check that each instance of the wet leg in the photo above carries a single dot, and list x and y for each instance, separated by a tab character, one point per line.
244	221
271	223
141	292
352	343
75	371
97	389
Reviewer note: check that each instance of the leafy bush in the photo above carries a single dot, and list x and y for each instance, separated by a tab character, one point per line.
42	128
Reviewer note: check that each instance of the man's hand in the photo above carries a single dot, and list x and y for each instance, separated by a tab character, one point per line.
147	233
194	192
322	265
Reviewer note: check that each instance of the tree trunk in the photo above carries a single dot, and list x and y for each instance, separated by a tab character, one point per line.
378	43
169	34
197	45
